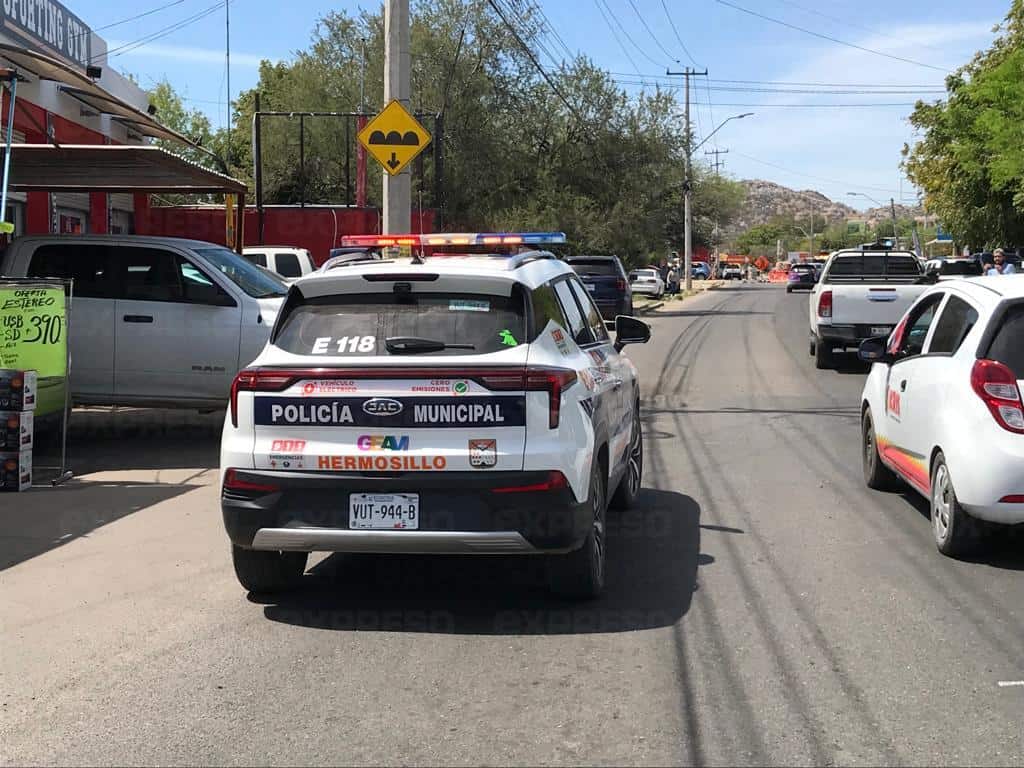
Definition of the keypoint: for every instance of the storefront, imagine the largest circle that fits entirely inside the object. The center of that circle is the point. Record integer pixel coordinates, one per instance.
(69, 95)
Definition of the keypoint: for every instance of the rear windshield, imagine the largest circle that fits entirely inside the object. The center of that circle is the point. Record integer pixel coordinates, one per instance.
(883, 267)
(961, 268)
(361, 324)
(1006, 345)
(256, 282)
(597, 267)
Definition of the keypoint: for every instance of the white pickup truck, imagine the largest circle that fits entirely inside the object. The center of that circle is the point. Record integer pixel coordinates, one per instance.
(862, 293)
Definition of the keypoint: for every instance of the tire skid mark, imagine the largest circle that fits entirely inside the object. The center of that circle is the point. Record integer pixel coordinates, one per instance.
(732, 685)
(674, 352)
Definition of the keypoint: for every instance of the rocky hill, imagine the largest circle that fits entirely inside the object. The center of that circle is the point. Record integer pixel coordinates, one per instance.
(767, 200)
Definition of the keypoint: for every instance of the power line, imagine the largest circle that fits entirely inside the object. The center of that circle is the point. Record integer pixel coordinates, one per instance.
(139, 16)
(811, 176)
(626, 34)
(657, 42)
(827, 37)
(802, 91)
(791, 82)
(679, 38)
(615, 34)
(168, 30)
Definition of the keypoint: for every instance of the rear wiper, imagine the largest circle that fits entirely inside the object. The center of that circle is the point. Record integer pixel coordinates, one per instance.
(414, 344)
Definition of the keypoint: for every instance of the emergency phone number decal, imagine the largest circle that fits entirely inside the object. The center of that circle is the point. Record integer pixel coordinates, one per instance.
(500, 411)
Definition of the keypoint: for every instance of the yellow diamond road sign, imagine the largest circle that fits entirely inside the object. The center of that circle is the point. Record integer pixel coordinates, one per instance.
(394, 137)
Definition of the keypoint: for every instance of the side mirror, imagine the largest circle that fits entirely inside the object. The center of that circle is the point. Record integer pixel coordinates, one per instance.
(212, 295)
(875, 350)
(629, 330)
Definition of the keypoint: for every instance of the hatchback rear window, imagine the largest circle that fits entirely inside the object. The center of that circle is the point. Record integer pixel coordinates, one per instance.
(361, 324)
(1006, 345)
(596, 267)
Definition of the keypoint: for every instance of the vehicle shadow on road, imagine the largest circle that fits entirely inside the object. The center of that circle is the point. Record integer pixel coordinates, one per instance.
(999, 546)
(653, 556)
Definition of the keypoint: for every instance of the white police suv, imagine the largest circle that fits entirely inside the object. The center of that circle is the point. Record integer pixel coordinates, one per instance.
(942, 409)
(467, 402)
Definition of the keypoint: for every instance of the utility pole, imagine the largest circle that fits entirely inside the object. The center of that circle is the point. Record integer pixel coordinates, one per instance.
(895, 232)
(810, 247)
(687, 73)
(397, 66)
(718, 163)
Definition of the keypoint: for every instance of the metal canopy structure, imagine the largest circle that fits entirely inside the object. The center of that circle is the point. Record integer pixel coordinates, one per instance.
(83, 88)
(112, 168)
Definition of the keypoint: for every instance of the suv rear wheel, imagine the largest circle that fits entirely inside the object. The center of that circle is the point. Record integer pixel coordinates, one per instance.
(823, 355)
(580, 574)
(628, 492)
(264, 572)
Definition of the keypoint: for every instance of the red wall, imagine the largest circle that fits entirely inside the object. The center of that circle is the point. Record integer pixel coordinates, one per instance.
(317, 229)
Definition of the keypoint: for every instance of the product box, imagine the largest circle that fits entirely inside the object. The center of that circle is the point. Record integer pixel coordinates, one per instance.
(16, 430)
(16, 471)
(18, 390)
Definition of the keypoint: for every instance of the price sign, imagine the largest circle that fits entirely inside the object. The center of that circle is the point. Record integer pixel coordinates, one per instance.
(33, 336)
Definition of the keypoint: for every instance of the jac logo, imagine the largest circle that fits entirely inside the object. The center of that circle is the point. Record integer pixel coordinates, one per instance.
(893, 403)
(288, 446)
(383, 406)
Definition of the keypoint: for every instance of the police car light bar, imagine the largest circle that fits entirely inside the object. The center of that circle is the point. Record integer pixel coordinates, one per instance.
(457, 238)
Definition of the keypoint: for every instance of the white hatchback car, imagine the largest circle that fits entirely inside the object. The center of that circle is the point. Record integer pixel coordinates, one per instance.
(468, 403)
(647, 282)
(942, 406)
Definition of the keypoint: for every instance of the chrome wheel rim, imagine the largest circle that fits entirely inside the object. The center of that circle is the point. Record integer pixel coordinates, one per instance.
(869, 446)
(636, 458)
(942, 503)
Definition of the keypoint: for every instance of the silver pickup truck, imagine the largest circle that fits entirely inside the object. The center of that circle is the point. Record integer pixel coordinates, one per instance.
(862, 293)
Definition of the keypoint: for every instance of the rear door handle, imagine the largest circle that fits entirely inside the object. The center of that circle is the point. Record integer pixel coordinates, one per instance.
(138, 318)
(903, 386)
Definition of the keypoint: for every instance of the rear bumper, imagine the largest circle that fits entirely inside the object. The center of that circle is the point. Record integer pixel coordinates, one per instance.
(845, 335)
(611, 308)
(460, 513)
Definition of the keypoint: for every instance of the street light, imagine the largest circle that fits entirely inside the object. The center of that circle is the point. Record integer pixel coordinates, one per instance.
(892, 208)
(688, 196)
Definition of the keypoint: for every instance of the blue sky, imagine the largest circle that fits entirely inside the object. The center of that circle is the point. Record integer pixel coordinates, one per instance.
(832, 149)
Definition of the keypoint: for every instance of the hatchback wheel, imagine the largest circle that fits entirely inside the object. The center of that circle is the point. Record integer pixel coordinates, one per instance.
(956, 532)
(876, 474)
(580, 574)
(628, 491)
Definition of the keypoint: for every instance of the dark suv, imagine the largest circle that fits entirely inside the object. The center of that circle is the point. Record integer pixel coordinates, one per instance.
(605, 279)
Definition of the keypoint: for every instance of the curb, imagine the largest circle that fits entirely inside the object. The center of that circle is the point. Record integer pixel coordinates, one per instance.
(646, 310)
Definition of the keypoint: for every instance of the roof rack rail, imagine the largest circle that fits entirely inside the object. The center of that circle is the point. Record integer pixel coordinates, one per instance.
(520, 259)
(346, 260)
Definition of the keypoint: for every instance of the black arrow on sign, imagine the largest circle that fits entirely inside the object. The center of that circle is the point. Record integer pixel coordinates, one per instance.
(393, 162)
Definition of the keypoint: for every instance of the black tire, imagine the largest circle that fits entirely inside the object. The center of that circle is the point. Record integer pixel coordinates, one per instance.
(811, 347)
(789, 289)
(580, 575)
(876, 474)
(265, 572)
(823, 359)
(956, 533)
(628, 492)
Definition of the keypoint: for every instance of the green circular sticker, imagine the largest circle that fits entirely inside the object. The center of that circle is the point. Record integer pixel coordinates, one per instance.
(460, 388)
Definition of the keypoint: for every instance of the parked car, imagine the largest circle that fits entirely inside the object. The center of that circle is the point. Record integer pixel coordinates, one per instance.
(942, 269)
(289, 263)
(941, 408)
(801, 276)
(484, 411)
(157, 321)
(732, 272)
(700, 270)
(862, 293)
(647, 282)
(604, 277)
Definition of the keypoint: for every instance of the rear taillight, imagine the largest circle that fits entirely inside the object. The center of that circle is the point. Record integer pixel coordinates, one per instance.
(620, 284)
(551, 380)
(232, 482)
(996, 385)
(555, 481)
(255, 380)
(825, 304)
(1013, 498)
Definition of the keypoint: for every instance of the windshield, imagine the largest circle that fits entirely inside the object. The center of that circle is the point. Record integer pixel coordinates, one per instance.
(597, 267)
(258, 283)
(361, 324)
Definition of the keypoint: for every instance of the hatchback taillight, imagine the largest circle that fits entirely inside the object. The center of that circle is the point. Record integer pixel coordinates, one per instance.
(825, 304)
(996, 385)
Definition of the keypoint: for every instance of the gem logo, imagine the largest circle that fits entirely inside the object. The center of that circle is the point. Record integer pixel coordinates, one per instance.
(460, 387)
(288, 446)
(383, 406)
(383, 443)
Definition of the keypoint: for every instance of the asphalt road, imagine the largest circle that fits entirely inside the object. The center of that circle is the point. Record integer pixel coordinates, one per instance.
(764, 606)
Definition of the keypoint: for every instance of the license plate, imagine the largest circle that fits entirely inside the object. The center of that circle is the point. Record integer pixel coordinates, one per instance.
(591, 287)
(381, 511)
(880, 330)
